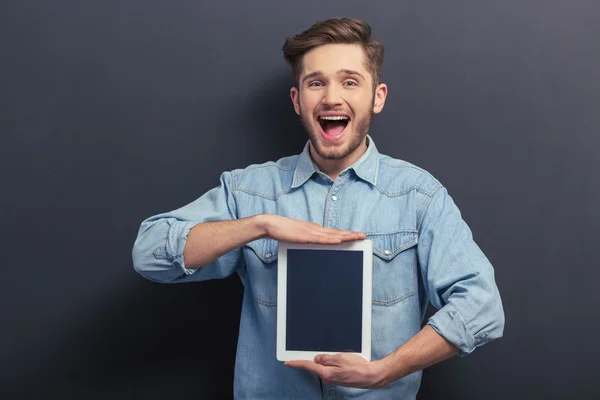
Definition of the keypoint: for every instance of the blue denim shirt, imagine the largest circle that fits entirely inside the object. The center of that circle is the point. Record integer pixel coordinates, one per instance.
(423, 251)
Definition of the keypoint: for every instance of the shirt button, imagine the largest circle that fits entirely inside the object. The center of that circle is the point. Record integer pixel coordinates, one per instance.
(387, 252)
(268, 255)
(334, 197)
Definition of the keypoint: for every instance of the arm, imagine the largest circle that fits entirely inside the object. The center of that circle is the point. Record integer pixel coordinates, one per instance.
(162, 240)
(421, 351)
(459, 281)
(458, 278)
(209, 241)
(424, 349)
(203, 239)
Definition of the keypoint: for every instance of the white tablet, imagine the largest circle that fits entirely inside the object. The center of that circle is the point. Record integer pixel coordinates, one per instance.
(324, 299)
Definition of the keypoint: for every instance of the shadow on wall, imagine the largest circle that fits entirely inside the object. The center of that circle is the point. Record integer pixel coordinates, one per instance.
(273, 130)
(157, 341)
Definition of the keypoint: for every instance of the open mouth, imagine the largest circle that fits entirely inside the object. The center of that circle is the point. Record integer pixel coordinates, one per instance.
(333, 126)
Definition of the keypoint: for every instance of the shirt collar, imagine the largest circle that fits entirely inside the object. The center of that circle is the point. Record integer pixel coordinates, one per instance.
(366, 167)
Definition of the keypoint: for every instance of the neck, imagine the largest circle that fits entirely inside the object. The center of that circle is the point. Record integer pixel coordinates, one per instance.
(333, 167)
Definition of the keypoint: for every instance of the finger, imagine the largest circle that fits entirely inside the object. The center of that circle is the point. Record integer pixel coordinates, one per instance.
(297, 364)
(327, 229)
(327, 236)
(352, 238)
(330, 240)
(337, 240)
(325, 239)
(352, 233)
(343, 234)
(307, 365)
(332, 236)
(328, 360)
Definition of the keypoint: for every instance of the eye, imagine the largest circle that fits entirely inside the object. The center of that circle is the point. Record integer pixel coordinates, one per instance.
(315, 84)
(350, 83)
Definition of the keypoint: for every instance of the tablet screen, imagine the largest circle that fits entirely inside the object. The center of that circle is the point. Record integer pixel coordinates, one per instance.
(324, 300)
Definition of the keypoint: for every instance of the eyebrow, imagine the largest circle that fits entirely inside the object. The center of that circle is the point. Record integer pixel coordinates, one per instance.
(340, 72)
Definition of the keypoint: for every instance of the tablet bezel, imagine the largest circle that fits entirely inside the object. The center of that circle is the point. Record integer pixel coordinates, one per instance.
(366, 246)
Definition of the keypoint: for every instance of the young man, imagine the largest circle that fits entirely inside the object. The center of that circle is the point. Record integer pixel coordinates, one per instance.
(340, 188)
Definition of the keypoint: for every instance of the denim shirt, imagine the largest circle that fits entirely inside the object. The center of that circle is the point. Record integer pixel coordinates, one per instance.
(423, 251)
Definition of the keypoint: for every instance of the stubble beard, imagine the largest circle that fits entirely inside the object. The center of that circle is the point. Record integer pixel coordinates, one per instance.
(361, 128)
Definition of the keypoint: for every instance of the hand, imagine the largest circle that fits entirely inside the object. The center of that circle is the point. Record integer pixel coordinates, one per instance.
(345, 370)
(296, 231)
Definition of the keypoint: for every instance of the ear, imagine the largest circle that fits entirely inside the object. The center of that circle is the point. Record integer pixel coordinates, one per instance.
(295, 95)
(380, 96)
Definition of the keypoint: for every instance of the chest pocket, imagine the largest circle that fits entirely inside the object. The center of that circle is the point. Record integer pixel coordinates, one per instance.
(260, 256)
(394, 266)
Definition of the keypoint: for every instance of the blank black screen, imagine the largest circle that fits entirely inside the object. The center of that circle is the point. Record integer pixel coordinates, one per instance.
(324, 300)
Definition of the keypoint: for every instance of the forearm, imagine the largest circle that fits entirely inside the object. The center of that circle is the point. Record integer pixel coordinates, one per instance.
(210, 240)
(424, 349)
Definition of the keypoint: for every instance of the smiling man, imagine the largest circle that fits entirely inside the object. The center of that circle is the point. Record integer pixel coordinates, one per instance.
(339, 189)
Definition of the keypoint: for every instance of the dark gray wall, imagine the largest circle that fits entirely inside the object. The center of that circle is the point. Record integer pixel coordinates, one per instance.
(116, 110)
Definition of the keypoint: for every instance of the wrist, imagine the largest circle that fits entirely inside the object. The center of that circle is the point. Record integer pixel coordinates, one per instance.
(394, 366)
(261, 224)
(381, 373)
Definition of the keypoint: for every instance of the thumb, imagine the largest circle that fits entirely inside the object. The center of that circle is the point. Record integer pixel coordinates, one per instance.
(326, 359)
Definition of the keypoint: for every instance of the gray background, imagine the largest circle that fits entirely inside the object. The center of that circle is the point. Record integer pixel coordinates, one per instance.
(114, 111)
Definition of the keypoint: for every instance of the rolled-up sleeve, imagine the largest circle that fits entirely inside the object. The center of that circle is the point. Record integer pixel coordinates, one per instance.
(158, 249)
(458, 278)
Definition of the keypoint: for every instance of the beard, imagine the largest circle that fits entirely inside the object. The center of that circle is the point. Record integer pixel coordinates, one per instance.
(360, 128)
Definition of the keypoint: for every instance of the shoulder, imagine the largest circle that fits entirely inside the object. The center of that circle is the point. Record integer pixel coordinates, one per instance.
(397, 177)
(269, 179)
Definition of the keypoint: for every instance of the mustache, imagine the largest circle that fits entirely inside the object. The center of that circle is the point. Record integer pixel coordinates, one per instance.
(332, 109)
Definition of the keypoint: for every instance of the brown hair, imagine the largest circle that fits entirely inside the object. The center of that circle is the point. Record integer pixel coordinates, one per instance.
(336, 30)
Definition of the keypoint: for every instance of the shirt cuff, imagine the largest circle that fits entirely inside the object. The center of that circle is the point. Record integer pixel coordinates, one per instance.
(450, 324)
(176, 240)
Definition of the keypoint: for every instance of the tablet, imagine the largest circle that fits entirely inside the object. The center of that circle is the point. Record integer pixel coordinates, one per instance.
(324, 299)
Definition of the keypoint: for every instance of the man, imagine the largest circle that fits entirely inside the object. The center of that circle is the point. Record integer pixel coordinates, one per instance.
(340, 188)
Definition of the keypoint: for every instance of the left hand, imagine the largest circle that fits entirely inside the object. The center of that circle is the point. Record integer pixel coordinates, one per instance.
(344, 369)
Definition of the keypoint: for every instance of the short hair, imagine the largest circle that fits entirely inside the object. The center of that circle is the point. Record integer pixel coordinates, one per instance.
(335, 31)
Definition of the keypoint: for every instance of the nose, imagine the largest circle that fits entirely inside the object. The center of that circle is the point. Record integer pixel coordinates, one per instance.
(332, 96)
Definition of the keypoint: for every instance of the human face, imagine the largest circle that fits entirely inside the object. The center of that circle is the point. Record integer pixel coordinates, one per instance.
(336, 100)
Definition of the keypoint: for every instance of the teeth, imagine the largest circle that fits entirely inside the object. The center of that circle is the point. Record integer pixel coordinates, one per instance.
(333, 117)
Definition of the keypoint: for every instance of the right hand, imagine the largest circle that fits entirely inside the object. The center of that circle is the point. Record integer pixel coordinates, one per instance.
(297, 231)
